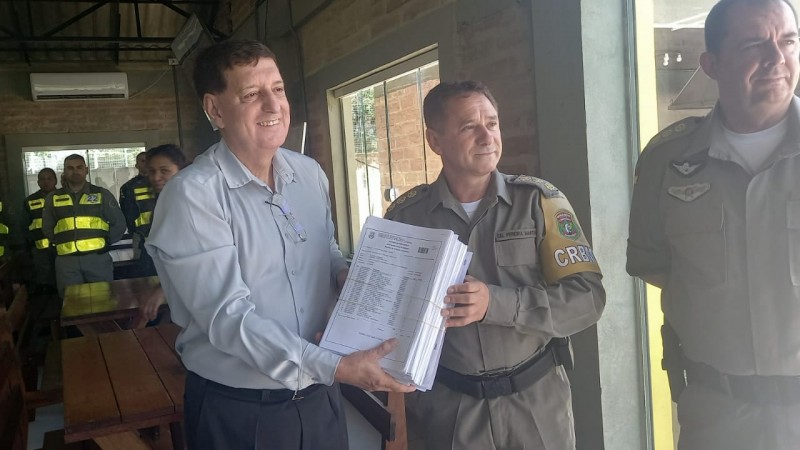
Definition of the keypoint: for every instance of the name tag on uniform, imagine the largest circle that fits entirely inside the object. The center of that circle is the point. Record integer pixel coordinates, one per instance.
(91, 199)
(514, 234)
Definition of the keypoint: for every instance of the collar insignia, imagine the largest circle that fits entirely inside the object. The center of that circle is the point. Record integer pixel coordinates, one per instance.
(689, 193)
(687, 168)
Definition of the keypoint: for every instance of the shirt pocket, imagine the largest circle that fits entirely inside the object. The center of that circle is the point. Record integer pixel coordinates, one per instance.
(793, 228)
(516, 248)
(696, 234)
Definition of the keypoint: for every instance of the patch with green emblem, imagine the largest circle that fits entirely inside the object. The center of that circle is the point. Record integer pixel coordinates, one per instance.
(567, 226)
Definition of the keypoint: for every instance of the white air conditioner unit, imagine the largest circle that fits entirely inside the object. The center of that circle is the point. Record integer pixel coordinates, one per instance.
(79, 86)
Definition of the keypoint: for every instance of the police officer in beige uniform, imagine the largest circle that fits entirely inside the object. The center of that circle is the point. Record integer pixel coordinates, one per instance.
(715, 222)
(533, 278)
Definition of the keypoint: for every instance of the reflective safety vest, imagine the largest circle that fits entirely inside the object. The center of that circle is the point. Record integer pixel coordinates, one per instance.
(146, 202)
(79, 228)
(35, 206)
(3, 233)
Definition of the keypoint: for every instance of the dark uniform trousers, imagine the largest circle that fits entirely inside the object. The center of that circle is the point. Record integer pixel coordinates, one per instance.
(220, 417)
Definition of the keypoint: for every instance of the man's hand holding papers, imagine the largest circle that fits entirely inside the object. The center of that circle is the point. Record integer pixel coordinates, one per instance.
(363, 369)
(395, 289)
(468, 302)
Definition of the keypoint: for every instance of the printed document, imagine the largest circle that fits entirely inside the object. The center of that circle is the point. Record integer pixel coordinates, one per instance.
(395, 289)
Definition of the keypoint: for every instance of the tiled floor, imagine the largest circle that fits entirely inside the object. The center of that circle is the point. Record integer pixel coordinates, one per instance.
(47, 418)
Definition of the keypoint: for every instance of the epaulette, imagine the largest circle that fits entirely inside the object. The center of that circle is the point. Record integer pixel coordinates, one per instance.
(410, 196)
(676, 130)
(547, 188)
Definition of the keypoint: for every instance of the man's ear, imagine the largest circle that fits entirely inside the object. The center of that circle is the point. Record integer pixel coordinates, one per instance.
(433, 140)
(212, 111)
(709, 64)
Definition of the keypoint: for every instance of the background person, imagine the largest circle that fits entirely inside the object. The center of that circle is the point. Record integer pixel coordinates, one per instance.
(43, 254)
(715, 222)
(81, 220)
(163, 162)
(127, 192)
(533, 281)
(244, 246)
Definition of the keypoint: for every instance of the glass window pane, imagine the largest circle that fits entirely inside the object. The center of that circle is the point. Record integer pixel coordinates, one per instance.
(386, 152)
(109, 166)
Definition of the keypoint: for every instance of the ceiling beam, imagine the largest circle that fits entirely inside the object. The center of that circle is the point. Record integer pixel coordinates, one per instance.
(79, 39)
(138, 19)
(175, 2)
(76, 18)
(88, 49)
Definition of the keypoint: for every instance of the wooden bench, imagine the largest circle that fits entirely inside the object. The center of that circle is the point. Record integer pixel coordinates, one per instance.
(118, 383)
(16, 401)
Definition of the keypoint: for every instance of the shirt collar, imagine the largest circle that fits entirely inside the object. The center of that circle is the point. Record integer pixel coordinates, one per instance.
(442, 195)
(702, 137)
(83, 190)
(237, 175)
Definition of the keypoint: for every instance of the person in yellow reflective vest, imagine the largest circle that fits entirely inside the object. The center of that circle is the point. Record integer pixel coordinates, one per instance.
(127, 193)
(42, 253)
(81, 220)
(3, 232)
(162, 163)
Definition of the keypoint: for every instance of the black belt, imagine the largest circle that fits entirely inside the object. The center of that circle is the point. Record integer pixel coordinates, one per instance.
(257, 395)
(759, 389)
(503, 383)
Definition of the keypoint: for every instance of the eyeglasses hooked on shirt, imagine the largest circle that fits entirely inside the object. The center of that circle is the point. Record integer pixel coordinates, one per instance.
(280, 202)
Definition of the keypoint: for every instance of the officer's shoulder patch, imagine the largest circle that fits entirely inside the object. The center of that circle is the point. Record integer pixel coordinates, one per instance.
(547, 188)
(409, 197)
(676, 130)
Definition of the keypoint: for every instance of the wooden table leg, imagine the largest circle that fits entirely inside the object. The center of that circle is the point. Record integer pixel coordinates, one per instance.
(127, 440)
(178, 440)
(397, 406)
(159, 438)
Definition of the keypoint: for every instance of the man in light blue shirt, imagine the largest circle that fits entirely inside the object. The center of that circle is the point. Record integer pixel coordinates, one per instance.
(244, 244)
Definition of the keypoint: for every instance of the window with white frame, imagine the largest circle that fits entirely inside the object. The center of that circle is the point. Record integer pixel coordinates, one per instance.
(383, 139)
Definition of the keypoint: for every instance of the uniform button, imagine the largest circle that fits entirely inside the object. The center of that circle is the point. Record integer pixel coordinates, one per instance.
(294, 272)
(302, 310)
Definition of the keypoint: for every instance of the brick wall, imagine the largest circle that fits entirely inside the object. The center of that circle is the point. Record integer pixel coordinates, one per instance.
(154, 109)
(494, 47)
(413, 163)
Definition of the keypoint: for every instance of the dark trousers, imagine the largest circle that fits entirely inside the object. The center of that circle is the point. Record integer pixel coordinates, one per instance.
(221, 417)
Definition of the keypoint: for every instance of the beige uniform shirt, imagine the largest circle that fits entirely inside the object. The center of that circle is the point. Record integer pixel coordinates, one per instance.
(730, 243)
(509, 240)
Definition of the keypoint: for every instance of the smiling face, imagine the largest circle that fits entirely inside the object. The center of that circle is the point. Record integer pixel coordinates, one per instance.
(468, 138)
(756, 67)
(253, 111)
(160, 169)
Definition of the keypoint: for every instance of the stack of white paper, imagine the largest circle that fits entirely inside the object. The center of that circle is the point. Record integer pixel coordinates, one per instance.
(395, 289)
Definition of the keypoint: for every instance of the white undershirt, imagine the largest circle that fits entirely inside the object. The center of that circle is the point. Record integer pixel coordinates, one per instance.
(470, 208)
(750, 150)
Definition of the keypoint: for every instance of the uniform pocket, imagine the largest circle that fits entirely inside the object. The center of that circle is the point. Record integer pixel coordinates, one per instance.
(697, 239)
(516, 251)
(793, 228)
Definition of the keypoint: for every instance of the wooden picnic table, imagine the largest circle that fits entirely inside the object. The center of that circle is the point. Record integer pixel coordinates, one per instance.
(117, 383)
(89, 304)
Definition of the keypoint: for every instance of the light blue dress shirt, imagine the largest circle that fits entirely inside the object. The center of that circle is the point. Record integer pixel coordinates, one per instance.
(249, 283)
